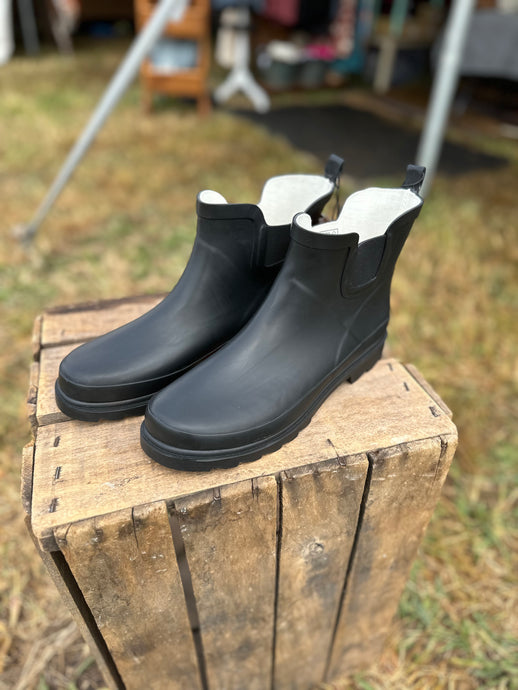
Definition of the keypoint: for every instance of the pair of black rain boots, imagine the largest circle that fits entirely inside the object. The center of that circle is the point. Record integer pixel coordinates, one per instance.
(280, 317)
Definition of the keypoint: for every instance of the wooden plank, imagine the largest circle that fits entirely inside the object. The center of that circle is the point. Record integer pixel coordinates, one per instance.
(80, 468)
(32, 395)
(416, 374)
(230, 545)
(405, 485)
(47, 411)
(71, 594)
(26, 477)
(320, 507)
(77, 323)
(36, 337)
(126, 567)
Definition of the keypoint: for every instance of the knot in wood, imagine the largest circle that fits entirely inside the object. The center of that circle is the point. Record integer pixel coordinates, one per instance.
(315, 549)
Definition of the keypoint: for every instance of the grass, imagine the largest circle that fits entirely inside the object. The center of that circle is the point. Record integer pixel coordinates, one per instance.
(125, 226)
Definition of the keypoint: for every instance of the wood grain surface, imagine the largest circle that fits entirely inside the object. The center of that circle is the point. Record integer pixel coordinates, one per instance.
(47, 411)
(277, 573)
(125, 565)
(72, 596)
(405, 484)
(320, 507)
(230, 545)
(81, 468)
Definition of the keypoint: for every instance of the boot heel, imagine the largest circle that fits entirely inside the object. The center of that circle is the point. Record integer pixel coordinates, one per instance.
(366, 362)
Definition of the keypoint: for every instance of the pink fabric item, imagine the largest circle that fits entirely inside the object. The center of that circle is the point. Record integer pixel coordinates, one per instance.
(320, 51)
(284, 12)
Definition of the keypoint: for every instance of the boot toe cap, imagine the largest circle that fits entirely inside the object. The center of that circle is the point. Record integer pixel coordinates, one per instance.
(190, 419)
(84, 376)
(175, 427)
(94, 373)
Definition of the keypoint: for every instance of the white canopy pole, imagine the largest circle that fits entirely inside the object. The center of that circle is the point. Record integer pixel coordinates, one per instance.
(443, 89)
(166, 11)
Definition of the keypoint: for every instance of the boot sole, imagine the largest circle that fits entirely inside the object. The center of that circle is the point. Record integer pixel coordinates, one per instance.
(196, 461)
(95, 412)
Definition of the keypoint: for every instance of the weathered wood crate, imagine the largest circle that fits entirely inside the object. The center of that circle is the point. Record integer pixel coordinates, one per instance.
(279, 573)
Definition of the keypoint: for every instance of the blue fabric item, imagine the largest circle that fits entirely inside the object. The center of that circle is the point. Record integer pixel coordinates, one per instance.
(352, 64)
(172, 55)
(355, 62)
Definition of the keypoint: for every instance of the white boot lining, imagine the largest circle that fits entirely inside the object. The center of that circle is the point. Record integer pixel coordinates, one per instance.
(283, 196)
(286, 195)
(210, 197)
(368, 213)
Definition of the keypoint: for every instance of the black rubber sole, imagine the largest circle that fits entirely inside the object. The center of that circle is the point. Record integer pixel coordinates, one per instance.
(201, 461)
(95, 412)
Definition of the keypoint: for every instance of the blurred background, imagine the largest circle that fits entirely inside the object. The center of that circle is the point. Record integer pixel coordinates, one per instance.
(234, 95)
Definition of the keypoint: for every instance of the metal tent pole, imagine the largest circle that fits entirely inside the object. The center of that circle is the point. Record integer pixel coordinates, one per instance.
(166, 10)
(443, 89)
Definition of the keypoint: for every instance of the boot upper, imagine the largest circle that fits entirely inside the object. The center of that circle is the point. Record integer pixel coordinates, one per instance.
(328, 305)
(235, 258)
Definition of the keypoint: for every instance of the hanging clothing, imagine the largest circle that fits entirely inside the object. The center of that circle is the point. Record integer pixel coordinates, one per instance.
(310, 15)
(315, 15)
(231, 21)
(285, 12)
(343, 28)
(354, 61)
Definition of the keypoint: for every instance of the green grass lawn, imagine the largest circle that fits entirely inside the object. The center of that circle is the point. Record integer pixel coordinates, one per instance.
(125, 226)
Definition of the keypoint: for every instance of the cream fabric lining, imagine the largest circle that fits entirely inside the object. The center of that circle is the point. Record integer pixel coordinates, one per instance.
(283, 196)
(210, 197)
(368, 213)
(286, 195)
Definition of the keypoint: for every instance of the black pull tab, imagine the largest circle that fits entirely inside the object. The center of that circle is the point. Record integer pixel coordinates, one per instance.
(332, 171)
(334, 167)
(414, 177)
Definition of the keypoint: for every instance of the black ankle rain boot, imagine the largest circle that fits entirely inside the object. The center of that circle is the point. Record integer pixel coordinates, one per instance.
(237, 253)
(323, 322)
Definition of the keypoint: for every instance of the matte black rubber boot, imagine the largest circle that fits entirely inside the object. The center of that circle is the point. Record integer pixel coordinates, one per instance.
(323, 322)
(237, 253)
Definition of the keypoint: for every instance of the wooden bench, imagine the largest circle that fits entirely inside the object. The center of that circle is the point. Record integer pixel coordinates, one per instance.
(287, 570)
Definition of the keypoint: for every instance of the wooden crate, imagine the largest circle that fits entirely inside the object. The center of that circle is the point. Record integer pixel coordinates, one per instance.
(278, 573)
(194, 26)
